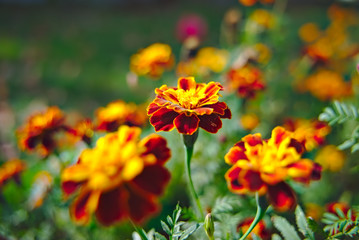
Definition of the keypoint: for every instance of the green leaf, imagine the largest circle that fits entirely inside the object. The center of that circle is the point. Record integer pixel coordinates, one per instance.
(189, 231)
(276, 237)
(169, 220)
(159, 237)
(285, 228)
(330, 216)
(347, 144)
(302, 223)
(165, 228)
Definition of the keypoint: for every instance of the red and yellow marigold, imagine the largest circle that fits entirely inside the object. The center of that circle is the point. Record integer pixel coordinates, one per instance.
(152, 61)
(11, 170)
(120, 179)
(247, 81)
(263, 166)
(187, 107)
(330, 158)
(38, 132)
(259, 230)
(119, 113)
(310, 133)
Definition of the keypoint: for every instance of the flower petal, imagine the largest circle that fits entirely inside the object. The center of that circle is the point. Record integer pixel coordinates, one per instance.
(211, 123)
(186, 124)
(112, 206)
(68, 187)
(157, 146)
(235, 153)
(153, 179)
(162, 119)
(232, 180)
(186, 83)
(152, 108)
(282, 197)
(252, 181)
(141, 206)
(84, 205)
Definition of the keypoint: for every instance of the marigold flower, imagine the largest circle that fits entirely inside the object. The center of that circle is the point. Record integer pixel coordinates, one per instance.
(118, 113)
(152, 61)
(330, 158)
(83, 130)
(11, 170)
(247, 81)
(262, 18)
(310, 133)
(328, 85)
(314, 211)
(263, 166)
(38, 132)
(41, 186)
(309, 32)
(121, 178)
(259, 230)
(188, 106)
(333, 206)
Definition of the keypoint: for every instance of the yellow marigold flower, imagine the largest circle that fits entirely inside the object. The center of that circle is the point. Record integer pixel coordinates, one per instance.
(309, 32)
(38, 132)
(152, 61)
(121, 178)
(187, 107)
(263, 18)
(11, 170)
(328, 85)
(249, 121)
(41, 186)
(321, 50)
(330, 158)
(118, 113)
(310, 133)
(83, 130)
(264, 54)
(262, 166)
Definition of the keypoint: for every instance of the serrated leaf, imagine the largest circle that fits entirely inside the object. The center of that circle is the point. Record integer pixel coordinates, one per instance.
(285, 228)
(170, 222)
(302, 223)
(346, 144)
(165, 227)
(330, 216)
(189, 231)
(340, 213)
(338, 107)
(159, 237)
(276, 237)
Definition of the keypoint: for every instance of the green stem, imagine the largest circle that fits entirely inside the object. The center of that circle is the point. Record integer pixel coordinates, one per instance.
(261, 210)
(189, 151)
(189, 141)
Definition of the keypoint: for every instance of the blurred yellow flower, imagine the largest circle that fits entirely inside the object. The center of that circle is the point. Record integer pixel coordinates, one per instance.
(309, 32)
(314, 211)
(249, 121)
(11, 169)
(152, 61)
(331, 158)
(263, 18)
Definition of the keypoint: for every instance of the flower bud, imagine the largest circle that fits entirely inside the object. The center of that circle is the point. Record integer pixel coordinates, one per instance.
(209, 226)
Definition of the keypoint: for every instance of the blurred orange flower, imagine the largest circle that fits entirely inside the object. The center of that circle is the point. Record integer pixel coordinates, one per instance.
(314, 211)
(11, 170)
(252, 2)
(121, 178)
(118, 113)
(259, 230)
(187, 107)
(152, 61)
(330, 158)
(247, 81)
(310, 133)
(249, 121)
(309, 32)
(262, 166)
(262, 18)
(38, 132)
(328, 85)
(83, 130)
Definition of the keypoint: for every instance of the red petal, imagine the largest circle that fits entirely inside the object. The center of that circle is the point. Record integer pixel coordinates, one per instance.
(227, 114)
(186, 83)
(211, 123)
(282, 197)
(218, 107)
(186, 124)
(153, 179)
(78, 209)
(112, 206)
(152, 108)
(68, 187)
(141, 206)
(253, 181)
(157, 146)
(162, 119)
(235, 153)
(232, 180)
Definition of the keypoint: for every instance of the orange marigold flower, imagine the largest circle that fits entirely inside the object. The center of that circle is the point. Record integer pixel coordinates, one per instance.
(328, 85)
(38, 132)
(259, 230)
(247, 81)
(152, 61)
(119, 113)
(310, 133)
(121, 178)
(11, 170)
(314, 211)
(262, 18)
(83, 130)
(41, 186)
(188, 106)
(309, 32)
(263, 166)
(249, 121)
(330, 158)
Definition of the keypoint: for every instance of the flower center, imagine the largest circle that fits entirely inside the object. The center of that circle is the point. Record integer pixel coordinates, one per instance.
(189, 99)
